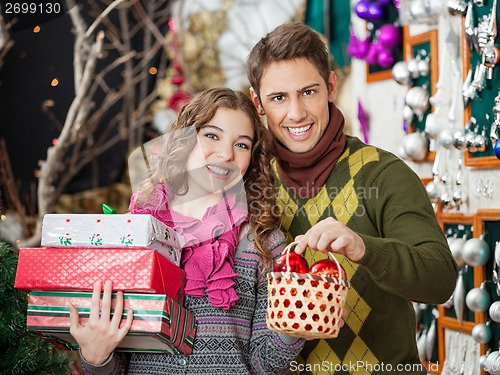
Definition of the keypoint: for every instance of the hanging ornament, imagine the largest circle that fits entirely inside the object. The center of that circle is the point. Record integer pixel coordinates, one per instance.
(459, 297)
(482, 333)
(476, 252)
(494, 311)
(389, 36)
(456, 248)
(421, 341)
(478, 299)
(353, 45)
(179, 97)
(400, 73)
(416, 146)
(385, 57)
(496, 149)
(430, 340)
(363, 121)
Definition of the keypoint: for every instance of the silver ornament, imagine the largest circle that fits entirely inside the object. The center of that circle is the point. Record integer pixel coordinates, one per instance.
(416, 146)
(497, 253)
(456, 250)
(412, 66)
(430, 340)
(400, 73)
(418, 312)
(408, 115)
(417, 98)
(432, 125)
(423, 67)
(482, 333)
(476, 252)
(421, 346)
(491, 362)
(402, 153)
(459, 297)
(480, 143)
(445, 138)
(459, 140)
(478, 300)
(469, 141)
(494, 311)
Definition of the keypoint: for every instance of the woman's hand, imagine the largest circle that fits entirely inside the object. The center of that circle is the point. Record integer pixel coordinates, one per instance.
(331, 235)
(102, 333)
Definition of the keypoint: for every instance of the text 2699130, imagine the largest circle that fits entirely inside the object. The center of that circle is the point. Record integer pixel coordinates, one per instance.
(33, 8)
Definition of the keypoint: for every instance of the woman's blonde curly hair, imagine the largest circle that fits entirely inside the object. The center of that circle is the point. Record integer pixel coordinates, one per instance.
(170, 164)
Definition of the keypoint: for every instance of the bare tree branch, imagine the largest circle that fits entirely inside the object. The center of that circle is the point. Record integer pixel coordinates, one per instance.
(90, 127)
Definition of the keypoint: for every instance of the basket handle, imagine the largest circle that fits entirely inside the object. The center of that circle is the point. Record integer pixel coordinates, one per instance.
(287, 251)
(295, 243)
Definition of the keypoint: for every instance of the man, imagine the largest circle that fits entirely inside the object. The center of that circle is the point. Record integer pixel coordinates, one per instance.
(362, 203)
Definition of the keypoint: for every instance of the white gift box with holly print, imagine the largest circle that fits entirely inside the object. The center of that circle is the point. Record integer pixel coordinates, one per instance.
(111, 230)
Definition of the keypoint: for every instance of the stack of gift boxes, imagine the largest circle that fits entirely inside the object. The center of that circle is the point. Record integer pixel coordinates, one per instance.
(139, 254)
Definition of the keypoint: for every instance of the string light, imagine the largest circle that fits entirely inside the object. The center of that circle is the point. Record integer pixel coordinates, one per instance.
(36, 29)
(54, 82)
(153, 70)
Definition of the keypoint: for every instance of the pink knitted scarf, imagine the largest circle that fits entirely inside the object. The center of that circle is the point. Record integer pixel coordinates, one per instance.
(208, 255)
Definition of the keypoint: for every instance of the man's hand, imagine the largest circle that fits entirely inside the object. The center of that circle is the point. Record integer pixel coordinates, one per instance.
(331, 235)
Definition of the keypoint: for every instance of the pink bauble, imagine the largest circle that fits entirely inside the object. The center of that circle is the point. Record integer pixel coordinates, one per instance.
(396, 4)
(385, 58)
(361, 9)
(389, 36)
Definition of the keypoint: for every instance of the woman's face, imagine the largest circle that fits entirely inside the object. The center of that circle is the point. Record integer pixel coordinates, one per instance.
(222, 153)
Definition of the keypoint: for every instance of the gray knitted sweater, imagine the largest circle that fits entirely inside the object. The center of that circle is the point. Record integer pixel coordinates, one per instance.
(234, 341)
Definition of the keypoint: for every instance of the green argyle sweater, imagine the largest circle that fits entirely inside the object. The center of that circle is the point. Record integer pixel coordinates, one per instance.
(407, 259)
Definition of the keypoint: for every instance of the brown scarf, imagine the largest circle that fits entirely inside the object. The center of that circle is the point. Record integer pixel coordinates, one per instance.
(307, 172)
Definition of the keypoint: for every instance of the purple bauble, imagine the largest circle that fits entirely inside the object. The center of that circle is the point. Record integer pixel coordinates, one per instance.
(375, 12)
(497, 149)
(384, 2)
(361, 9)
(353, 48)
(385, 58)
(363, 47)
(389, 36)
(371, 54)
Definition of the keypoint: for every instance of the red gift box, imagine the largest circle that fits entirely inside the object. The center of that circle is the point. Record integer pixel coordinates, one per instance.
(160, 324)
(140, 270)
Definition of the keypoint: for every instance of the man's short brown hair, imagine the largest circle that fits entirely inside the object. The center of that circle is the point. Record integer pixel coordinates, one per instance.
(289, 41)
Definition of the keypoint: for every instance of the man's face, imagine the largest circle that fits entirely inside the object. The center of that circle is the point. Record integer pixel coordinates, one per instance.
(295, 101)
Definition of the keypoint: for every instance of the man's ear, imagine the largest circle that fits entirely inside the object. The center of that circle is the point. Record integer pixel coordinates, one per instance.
(332, 87)
(256, 102)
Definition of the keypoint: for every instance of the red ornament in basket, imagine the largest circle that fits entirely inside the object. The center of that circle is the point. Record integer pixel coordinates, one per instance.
(305, 304)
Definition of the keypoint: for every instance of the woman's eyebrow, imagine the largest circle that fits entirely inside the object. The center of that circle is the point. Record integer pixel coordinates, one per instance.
(222, 131)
